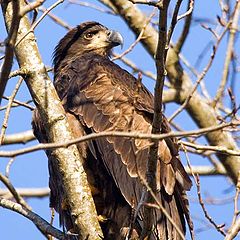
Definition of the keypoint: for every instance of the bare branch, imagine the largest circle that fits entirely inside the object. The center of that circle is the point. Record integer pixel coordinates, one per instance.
(197, 182)
(66, 144)
(40, 223)
(201, 76)
(188, 12)
(93, 6)
(174, 21)
(157, 118)
(26, 192)
(235, 226)
(55, 18)
(198, 108)
(7, 113)
(186, 28)
(80, 202)
(234, 230)
(19, 103)
(229, 53)
(16, 138)
(38, 21)
(146, 2)
(138, 38)
(13, 191)
(205, 171)
(10, 42)
(219, 149)
(30, 6)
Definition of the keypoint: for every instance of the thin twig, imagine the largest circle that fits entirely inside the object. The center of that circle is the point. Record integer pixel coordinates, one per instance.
(197, 182)
(174, 20)
(235, 226)
(219, 149)
(26, 192)
(9, 51)
(202, 75)
(161, 54)
(218, 227)
(138, 38)
(160, 206)
(115, 134)
(13, 191)
(39, 20)
(188, 12)
(16, 138)
(145, 2)
(30, 6)
(19, 103)
(9, 164)
(195, 72)
(186, 28)
(7, 113)
(229, 53)
(56, 19)
(205, 171)
(40, 223)
(93, 6)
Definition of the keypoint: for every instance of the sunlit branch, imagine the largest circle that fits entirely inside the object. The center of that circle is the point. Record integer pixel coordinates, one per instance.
(13, 191)
(9, 51)
(205, 171)
(26, 192)
(16, 138)
(219, 228)
(229, 53)
(115, 134)
(7, 113)
(40, 223)
(201, 76)
(93, 6)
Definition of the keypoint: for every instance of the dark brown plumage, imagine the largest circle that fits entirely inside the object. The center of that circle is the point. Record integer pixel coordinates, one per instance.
(98, 96)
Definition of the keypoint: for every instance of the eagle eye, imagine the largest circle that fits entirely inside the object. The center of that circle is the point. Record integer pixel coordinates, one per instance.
(90, 35)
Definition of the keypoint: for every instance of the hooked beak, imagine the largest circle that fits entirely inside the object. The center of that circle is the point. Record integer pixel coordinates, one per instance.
(115, 38)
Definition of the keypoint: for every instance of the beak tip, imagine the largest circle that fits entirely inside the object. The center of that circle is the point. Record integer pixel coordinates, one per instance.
(116, 39)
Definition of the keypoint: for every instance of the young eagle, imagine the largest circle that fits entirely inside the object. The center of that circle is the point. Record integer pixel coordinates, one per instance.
(99, 96)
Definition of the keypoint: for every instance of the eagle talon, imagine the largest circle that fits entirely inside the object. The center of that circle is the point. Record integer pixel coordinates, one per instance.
(102, 218)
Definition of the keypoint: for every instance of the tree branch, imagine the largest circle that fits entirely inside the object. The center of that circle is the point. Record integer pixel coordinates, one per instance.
(40, 223)
(229, 53)
(26, 192)
(22, 137)
(198, 107)
(157, 118)
(66, 144)
(10, 42)
(234, 230)
(75, 185)
(13, 191)
(8, 109)
(205, 171)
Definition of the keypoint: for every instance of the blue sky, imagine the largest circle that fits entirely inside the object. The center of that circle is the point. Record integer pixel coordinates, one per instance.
(31, 170)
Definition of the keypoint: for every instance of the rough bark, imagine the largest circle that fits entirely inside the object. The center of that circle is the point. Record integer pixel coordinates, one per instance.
(49, 106)
(198, 108)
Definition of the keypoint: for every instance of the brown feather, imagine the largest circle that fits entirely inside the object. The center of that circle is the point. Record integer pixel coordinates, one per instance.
(100, 96)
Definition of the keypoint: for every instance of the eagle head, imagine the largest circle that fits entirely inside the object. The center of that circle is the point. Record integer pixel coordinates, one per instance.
(86, 37)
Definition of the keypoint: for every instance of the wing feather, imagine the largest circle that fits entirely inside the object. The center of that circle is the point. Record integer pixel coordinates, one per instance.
(105, 97)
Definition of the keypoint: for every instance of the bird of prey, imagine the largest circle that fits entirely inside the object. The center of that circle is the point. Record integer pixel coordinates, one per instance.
(98, 95)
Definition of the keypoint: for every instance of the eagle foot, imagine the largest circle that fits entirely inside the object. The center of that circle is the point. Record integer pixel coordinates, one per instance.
(102, 218)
